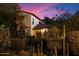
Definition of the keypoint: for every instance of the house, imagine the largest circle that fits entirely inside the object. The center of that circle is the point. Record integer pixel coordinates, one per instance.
(40, 31)
(34, 26)
(31, 22)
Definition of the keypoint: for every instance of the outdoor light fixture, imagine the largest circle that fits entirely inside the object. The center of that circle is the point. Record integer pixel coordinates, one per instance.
(44, 30)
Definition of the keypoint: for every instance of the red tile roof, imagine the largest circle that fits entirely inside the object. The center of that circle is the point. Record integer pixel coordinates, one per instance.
(40, 26)
(32, 14)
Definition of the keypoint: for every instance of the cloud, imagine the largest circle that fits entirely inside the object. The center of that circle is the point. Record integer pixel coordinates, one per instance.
(41, 9)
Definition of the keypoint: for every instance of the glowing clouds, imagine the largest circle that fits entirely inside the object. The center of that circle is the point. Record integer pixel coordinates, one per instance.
(41, 9)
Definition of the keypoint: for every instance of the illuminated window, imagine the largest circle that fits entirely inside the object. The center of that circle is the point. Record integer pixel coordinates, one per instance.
(33, 21)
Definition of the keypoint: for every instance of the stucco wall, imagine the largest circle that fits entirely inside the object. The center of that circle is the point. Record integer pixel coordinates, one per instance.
(36, 21)
(27, 22)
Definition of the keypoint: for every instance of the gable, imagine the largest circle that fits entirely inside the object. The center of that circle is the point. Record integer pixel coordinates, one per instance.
(31, 14)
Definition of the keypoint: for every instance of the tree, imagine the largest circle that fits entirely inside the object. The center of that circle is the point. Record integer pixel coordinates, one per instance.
(75, 20)
(9, 14)
(47, 20)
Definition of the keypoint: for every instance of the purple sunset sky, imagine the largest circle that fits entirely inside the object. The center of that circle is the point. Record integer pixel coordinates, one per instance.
(49, 9)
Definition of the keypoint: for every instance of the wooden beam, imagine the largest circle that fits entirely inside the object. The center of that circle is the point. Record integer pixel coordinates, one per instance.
(64, 40)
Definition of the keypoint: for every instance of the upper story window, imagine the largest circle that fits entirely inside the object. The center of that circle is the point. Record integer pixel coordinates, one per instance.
(33, 21)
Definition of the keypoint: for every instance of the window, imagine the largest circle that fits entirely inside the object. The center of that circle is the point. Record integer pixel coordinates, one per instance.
(33, 21)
